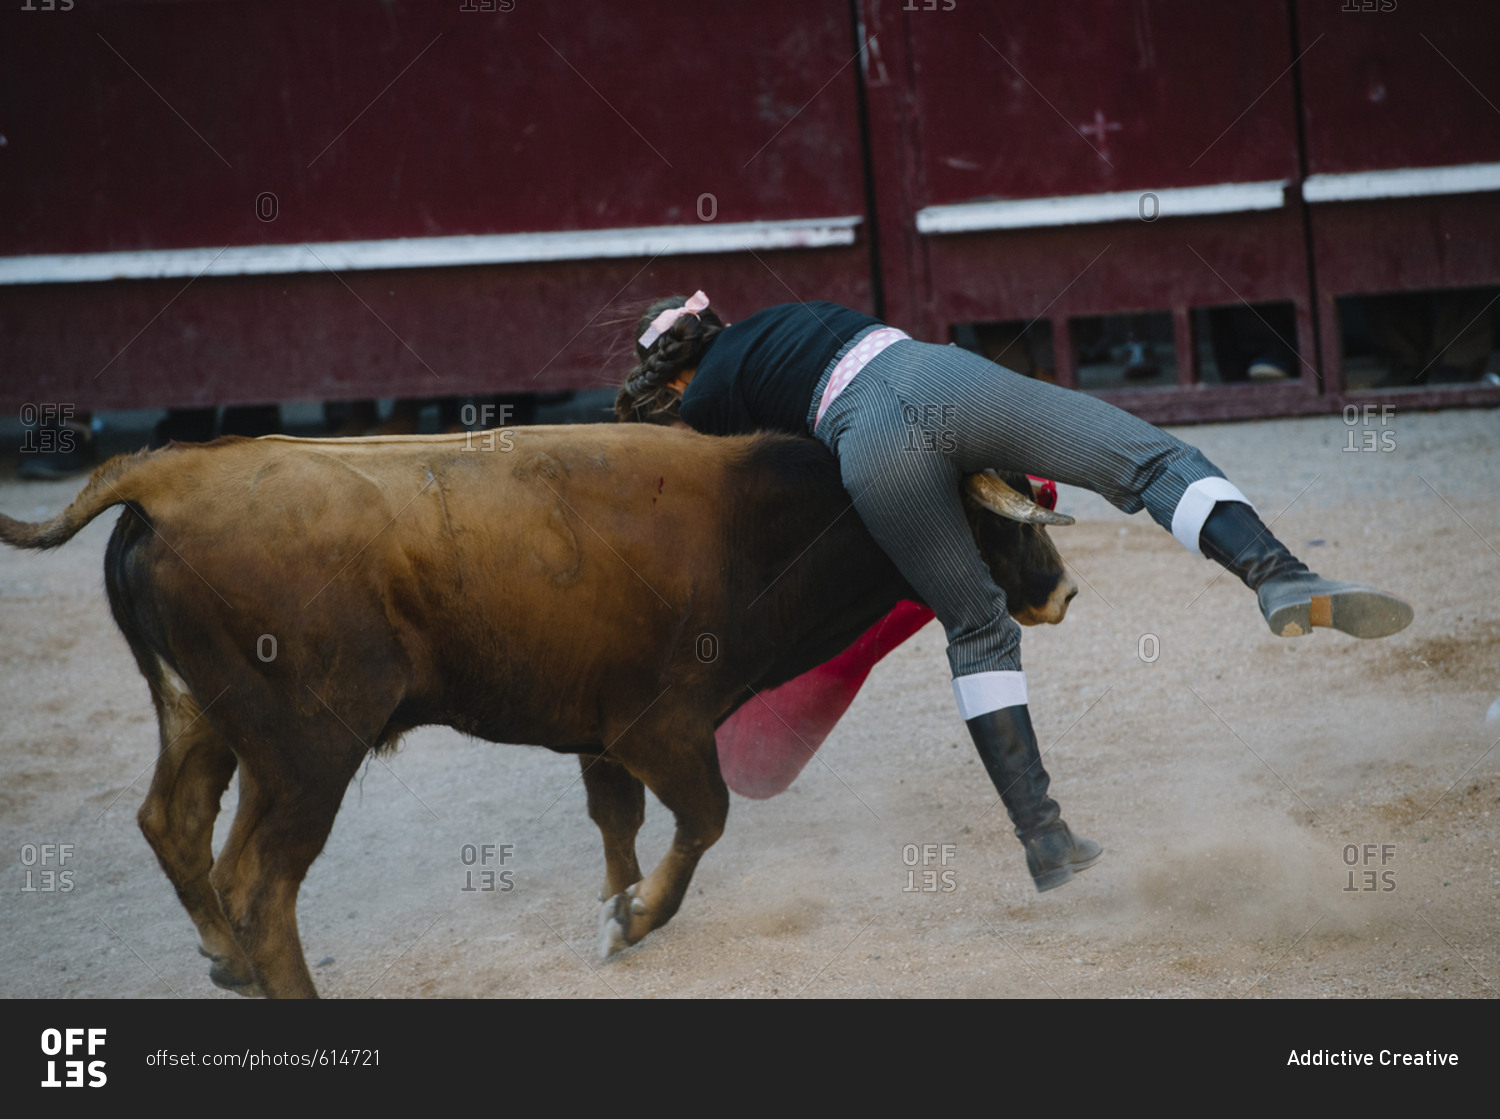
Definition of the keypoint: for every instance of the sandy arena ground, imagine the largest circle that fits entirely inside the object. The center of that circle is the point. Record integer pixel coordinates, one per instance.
(1232, 780)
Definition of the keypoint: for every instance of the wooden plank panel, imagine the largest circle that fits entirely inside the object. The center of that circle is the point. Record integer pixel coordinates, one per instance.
(1402, 85)
(139, 126)
(309, 336)
(1022, 100)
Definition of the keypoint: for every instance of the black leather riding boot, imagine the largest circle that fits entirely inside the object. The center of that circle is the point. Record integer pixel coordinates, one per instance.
(1292, 598)
(1007, 746)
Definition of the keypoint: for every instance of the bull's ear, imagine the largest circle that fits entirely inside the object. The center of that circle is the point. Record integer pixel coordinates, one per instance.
(989, 490)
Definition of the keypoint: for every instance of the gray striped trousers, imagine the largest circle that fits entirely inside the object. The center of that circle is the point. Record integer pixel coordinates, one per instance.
(920, 416)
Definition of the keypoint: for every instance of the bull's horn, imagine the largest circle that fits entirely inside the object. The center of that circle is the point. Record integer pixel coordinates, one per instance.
(998, 497)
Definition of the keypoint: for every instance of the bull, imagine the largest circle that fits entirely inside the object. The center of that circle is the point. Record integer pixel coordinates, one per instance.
(546, 586)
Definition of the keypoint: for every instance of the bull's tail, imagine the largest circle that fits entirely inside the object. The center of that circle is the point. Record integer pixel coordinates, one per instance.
(114, 483)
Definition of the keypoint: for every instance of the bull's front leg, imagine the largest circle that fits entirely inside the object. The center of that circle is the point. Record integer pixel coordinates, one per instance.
(683, 772)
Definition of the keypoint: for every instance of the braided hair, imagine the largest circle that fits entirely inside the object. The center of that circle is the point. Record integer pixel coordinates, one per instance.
(648, 395)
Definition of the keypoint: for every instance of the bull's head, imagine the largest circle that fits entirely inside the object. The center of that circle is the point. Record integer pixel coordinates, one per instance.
(1010, 529)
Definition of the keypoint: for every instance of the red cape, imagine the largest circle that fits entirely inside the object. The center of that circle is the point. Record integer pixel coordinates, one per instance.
(767, 742)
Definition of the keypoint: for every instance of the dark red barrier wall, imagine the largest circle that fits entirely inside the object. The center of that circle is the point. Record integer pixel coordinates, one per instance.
(133, 126)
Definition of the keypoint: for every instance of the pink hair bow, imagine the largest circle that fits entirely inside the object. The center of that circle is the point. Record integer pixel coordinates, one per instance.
(663, 322)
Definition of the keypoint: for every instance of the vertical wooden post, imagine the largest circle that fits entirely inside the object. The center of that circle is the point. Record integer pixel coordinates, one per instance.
(1186, 345)
(1062, 353)
(890, 136)
(1332, 339)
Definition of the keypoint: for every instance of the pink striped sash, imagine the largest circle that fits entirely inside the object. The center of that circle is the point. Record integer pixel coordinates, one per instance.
(855, 360)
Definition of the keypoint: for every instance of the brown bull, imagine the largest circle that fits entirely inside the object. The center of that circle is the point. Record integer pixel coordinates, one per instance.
(295, 604)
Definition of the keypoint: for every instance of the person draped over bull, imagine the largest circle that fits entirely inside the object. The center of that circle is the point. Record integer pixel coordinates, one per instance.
(855, 384)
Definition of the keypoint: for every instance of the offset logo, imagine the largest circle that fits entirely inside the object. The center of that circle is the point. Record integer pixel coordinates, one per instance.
(929, 881)
(487, 879)
(65, 1043)
(1368, 868)
(44, 865)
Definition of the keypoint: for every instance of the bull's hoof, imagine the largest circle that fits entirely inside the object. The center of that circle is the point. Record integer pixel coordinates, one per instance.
(612, 937)
(225, 974)
(622, 922)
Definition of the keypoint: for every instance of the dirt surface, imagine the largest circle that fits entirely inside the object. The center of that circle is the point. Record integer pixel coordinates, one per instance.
(1231, 779)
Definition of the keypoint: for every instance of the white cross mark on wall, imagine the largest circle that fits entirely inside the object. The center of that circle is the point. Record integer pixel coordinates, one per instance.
(1100, 128)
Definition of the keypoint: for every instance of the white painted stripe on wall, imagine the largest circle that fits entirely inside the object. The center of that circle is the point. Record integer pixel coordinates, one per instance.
(432, 252)
(1082, 209)
(1405, 182)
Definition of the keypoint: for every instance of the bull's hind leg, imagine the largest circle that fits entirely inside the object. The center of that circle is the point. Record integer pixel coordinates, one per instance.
(285, 813)
(686, 779)
(617, 803)
(177, 819)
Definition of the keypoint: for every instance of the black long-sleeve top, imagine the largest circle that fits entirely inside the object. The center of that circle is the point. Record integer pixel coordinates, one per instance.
(759, 374)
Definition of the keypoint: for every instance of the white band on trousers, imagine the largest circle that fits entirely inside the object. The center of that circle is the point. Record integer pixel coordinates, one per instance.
(1197, 503)
(983, 692)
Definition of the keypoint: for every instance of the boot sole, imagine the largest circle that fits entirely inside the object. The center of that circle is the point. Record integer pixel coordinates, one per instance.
(1359, 613)
(1063, 874)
